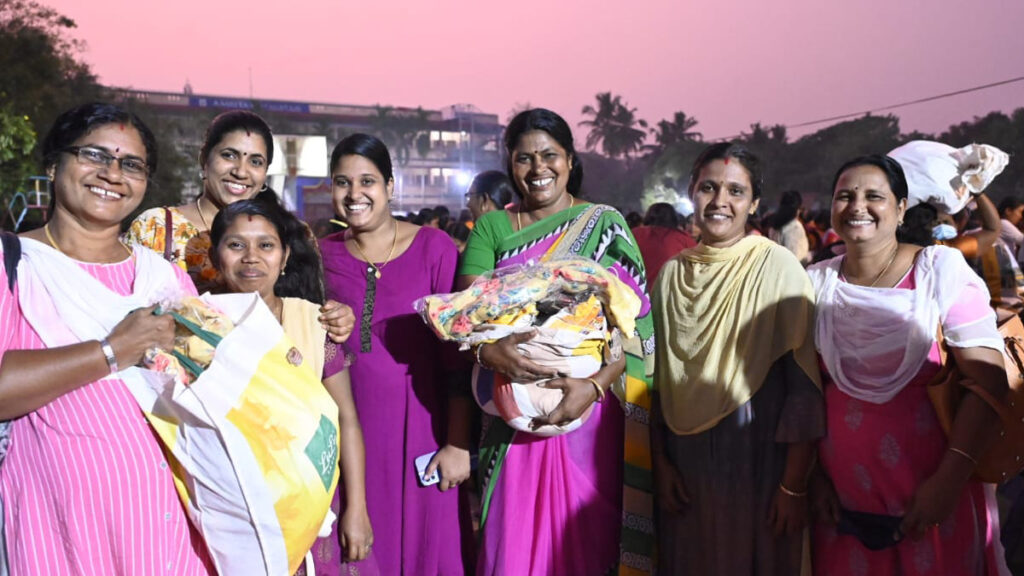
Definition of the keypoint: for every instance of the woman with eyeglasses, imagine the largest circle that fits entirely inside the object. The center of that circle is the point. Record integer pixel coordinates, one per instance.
(490, 191)
(85, 485)
(236, 153)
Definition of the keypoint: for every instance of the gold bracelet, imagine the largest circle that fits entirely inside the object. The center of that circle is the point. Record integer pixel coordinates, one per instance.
(789, 492)
(600, 391)
(964, 454)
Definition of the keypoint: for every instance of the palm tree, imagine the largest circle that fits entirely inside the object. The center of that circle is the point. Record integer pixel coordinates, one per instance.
(760, 135)
(615, 126)
(382, 123)
(401, 132)
(679, 129)
(601, 118)
(408, 129)
(516, 109)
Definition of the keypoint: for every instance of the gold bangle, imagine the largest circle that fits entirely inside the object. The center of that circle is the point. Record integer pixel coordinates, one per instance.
(480, 347)
(789, 492)
(600, 391)
(964, 454)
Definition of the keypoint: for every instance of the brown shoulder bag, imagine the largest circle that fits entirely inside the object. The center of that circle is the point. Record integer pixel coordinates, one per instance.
(1005, 458)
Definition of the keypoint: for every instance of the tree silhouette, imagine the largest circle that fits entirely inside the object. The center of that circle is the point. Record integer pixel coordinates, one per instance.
(671, 132)
(516, 109)
(614, 126)
(40, 73)
(401, 132)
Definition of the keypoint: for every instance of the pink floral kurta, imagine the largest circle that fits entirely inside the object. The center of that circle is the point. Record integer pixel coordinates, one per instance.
(878, 454)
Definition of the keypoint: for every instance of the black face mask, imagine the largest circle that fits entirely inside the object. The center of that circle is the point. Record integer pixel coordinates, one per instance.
(875, 531)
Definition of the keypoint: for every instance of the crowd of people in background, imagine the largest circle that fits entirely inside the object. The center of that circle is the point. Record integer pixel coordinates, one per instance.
(770, 415)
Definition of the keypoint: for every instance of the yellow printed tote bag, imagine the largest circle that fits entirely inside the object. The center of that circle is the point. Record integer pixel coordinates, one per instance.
(253, 442)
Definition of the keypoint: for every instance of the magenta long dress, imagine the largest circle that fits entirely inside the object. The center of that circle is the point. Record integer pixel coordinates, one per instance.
(401, 401)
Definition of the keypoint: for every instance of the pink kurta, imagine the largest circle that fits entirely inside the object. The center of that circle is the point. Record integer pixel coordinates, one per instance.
(86, 488)
(878, 454)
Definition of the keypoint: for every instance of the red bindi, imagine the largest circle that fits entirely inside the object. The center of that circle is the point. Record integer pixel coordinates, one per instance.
(726, 160)
(248, 133)
(250, 217)
(122, 127)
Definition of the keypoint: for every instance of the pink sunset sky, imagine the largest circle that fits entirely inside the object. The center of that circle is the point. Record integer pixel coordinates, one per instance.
(729, 63)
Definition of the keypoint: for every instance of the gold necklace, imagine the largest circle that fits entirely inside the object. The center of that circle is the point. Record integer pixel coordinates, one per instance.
(49, 238)
(519, 213)
(374, 267)
(199, 209)
(887, 265)
(886, 269)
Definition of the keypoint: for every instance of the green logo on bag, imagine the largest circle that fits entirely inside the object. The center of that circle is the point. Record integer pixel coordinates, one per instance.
(322, 451)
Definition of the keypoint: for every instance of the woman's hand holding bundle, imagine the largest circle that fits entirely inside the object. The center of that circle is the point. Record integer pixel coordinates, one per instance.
(504, 356)
(577, 395)
(138, 332)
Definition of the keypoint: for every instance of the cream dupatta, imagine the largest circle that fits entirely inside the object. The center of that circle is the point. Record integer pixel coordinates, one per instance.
(723, 316)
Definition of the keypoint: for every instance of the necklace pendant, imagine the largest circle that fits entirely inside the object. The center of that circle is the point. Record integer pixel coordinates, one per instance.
(377, 274)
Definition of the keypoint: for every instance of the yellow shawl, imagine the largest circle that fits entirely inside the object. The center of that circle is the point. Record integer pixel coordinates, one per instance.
(299, 320)
(722, 317)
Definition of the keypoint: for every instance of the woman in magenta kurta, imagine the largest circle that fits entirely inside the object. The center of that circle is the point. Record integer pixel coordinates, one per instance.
(86, 487)
(397, 376)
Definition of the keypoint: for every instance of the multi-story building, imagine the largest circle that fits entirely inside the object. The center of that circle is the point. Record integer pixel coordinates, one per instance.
(435, 152)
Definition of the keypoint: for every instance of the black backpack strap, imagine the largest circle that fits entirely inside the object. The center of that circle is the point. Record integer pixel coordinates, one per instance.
(12, 255)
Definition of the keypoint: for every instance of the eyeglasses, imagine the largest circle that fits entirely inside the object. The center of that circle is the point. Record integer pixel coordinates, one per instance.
(468, 196)
(131, 166)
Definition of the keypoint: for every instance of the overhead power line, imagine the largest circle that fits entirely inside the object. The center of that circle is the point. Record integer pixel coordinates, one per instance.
(899, 105)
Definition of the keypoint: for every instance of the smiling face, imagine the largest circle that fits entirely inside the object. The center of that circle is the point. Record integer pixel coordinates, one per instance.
(360, 193)
(96, 193)
(864, 207)
(723, 198)
(236, 168)
(540, 170)
(250, 255)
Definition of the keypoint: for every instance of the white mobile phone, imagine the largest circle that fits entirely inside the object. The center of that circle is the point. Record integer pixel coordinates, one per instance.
(421, 463)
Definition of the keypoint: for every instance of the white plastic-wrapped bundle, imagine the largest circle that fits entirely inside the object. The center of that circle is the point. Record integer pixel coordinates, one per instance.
(945, 177)
(575, 304)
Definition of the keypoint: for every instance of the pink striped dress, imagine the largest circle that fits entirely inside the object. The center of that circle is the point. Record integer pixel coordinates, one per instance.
(86, 488)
